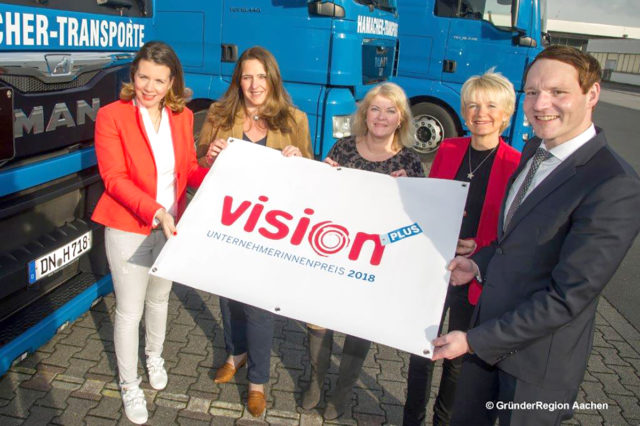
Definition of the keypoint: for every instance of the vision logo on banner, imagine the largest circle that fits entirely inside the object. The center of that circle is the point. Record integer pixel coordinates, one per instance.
(324, 237)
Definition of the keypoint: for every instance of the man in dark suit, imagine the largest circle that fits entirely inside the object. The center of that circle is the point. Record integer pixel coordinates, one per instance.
(569, 217)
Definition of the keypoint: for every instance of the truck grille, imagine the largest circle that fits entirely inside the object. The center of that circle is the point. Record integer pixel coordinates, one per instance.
(30, 84)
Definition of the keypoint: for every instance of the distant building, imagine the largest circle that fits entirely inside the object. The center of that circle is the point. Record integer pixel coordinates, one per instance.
(619, 59)
(617, 48)
(578, 34)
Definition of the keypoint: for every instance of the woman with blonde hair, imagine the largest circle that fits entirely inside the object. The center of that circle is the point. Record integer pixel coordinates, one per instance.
(144, 144)
(382, 134)
(486, 162)
(255, 108)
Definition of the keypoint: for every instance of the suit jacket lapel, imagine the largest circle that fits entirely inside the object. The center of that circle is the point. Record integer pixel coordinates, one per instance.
(560, 174)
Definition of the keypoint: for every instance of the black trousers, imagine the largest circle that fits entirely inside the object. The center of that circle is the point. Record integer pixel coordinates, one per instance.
(486, 393)
(421, 369)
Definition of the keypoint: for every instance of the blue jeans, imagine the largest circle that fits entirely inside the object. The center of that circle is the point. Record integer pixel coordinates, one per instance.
(248, 329)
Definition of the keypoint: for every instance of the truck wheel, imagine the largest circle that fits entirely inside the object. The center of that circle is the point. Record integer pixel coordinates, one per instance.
(433, 124)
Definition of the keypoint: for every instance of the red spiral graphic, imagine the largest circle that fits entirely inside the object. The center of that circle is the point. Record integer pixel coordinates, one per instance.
(327, 238)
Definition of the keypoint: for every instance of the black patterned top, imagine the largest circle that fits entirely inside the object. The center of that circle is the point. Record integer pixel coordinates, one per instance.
(344, 152)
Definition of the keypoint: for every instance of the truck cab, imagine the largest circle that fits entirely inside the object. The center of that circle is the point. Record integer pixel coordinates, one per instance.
(444, 42)
(330, 53)
(59, 62)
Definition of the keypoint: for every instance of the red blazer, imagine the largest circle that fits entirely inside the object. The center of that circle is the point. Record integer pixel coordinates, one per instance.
(445, 166)
(128, 168)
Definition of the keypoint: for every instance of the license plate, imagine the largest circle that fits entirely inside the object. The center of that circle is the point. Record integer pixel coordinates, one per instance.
(59, 258)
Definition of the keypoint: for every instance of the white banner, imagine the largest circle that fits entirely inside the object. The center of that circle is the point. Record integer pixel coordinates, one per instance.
(358, 252)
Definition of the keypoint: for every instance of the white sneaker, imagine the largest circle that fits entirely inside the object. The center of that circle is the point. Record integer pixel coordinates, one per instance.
(135, 406)
(157, 374)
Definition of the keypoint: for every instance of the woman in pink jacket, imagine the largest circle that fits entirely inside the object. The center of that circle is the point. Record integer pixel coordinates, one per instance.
(146, 156)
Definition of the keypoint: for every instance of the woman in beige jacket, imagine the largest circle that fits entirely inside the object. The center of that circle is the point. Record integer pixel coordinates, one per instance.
(255, 108)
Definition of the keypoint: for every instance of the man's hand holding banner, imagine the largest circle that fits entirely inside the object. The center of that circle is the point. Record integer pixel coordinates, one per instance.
(353, 251)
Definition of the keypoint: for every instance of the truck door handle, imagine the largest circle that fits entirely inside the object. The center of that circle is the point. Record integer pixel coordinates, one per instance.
(449, 65)
(229, 52)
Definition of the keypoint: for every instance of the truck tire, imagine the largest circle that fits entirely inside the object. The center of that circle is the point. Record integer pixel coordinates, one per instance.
(433, 124)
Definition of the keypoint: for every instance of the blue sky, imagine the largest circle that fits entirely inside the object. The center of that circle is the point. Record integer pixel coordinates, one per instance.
(612, 12)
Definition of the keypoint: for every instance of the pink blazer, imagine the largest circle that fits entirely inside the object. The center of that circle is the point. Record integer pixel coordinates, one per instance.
(128, 168)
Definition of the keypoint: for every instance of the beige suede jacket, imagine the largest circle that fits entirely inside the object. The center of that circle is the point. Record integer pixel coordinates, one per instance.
(298, 137)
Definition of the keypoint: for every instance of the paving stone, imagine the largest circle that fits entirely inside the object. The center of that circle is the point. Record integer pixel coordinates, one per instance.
(610, 416)
(55, 398)
(587, 419)
(392, 372)
(10, 421)
(599, 340)
(386, 353)
(10, 381)
(625, 350)
(180, 384)
(39, 416)
(21, 403)
(187, 364)
(197, 409)
(108, 408)
(612, 385)
(610, 334)
(287, 380)
(99, 421)
(41, 381)
(186, 420)
(205, 326)
(594, 392)
(197, 345)
(75, 412)
(230, 392)
(393, 392)
(311, 420)
(107, 366)
(367, 402)
(610, 356)
(94, 349)
(294, 359)
(283, 400)
(394, 413)
(596, 364)
(628, 375)
(91, 389)
(78, 336)
(630, 407)
(178, 333)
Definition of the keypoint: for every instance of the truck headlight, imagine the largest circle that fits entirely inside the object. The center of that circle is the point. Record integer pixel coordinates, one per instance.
(341, 126)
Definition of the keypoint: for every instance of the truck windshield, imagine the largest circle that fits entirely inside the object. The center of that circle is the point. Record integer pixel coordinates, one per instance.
(387, 5)
(498, 12)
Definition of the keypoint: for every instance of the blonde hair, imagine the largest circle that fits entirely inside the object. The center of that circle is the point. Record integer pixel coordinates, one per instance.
(160, 53)
(277, 108)
(495, 86)
(405, 133)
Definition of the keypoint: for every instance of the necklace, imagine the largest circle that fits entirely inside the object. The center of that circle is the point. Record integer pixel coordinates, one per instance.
(256, 117)
(156, 121)
(470, 175)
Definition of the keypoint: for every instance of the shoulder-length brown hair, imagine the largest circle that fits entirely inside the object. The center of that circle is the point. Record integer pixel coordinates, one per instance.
(405, 133)
(160, 53)
(276, 110)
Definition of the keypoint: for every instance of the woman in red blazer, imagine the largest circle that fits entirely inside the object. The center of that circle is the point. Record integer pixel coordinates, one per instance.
(486, 162)
(146, 156)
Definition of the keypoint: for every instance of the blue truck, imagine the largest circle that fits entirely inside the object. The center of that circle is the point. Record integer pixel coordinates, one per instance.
(444, 42)
(330, 53)
(59, 62)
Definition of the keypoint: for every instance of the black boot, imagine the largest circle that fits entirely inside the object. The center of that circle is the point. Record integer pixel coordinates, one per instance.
(353, 356)
(320, 342)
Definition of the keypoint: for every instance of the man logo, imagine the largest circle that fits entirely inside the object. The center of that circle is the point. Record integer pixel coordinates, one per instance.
(59, 64)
